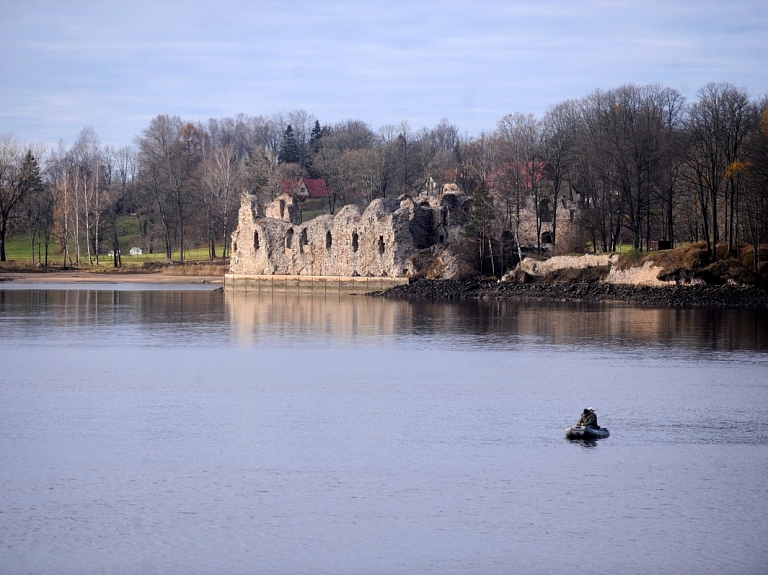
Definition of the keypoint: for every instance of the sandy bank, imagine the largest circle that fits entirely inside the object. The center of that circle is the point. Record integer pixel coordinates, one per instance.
(102, 277)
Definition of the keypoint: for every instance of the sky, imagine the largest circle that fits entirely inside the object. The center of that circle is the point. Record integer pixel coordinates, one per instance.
(113, 66)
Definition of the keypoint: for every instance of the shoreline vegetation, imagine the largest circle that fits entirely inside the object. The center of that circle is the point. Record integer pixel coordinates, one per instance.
(691, 279)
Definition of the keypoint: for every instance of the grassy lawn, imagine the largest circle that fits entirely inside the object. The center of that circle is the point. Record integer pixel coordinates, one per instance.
(18, 251)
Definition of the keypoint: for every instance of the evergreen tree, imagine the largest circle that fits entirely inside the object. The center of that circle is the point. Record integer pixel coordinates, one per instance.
(289, 151)
(315, 135)
(314, 149)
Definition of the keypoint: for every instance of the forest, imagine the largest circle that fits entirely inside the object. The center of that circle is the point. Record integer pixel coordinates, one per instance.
(644, 164)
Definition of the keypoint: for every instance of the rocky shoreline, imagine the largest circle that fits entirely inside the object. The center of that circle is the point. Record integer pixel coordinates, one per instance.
(679, 296)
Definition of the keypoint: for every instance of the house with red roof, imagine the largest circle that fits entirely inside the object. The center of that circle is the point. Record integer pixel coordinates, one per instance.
(305, 188)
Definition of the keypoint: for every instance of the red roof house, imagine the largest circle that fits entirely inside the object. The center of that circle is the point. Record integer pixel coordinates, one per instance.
(305, 188)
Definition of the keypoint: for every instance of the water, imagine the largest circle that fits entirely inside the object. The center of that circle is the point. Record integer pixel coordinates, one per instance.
(195, 432)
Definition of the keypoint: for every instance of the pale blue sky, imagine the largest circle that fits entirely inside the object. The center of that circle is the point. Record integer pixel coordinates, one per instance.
(115, 65)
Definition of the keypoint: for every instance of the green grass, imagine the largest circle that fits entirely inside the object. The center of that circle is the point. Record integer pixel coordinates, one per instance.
(18, 249)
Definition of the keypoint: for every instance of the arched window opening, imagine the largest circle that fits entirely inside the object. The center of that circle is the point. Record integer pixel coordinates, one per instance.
(544, 212)
(546, 238)
(289, 238)
(328, 240)
(303, 240)
(255, 241)
(381, 244)
(354, 241)
(282, 209)
(440, 239)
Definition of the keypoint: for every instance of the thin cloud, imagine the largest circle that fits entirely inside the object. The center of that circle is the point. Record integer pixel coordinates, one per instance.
(115, 66)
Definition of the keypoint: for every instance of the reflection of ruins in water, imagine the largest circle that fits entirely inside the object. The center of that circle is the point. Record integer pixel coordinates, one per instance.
(338, 317)
(249, 317)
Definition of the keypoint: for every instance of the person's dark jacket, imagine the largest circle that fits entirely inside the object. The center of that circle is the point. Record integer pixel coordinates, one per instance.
(591, 420)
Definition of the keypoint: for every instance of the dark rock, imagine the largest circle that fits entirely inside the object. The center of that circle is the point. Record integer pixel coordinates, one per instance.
(721, 296)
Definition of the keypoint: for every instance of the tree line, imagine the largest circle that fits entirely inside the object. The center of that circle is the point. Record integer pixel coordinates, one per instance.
(642, 163)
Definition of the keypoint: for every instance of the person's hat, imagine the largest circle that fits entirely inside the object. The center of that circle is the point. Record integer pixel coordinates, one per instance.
(591, 409)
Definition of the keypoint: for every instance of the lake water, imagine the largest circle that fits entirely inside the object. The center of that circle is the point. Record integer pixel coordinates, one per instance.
(192, 431)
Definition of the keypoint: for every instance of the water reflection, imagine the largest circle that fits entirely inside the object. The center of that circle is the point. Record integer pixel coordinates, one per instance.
(212, 431)
(77, 314)
(342, 318)
(585, 443)
(249, 318)
(499, 323)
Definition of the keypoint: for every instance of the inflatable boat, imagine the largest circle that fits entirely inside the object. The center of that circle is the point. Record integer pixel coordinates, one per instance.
(583, 432)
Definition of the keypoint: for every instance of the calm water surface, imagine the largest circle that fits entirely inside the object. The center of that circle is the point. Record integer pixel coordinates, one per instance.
(145, 431)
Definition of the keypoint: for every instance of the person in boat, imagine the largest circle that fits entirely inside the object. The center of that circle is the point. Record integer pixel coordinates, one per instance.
(583, 417)
(591, 419)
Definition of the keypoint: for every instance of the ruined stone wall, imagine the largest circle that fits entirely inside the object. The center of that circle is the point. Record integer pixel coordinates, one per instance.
(285, 208)
(569, 228)
(376, 242)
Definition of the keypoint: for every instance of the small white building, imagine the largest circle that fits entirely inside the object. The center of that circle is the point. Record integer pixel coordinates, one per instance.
(135, 251)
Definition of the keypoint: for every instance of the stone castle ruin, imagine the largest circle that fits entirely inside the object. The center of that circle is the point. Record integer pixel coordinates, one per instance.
(394, 239)
(376, 242)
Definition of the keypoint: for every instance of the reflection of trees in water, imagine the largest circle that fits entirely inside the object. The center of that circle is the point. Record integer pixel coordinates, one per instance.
(505, 322)
(467, 323)
(598, 324)
(620, 325)
(105, 307)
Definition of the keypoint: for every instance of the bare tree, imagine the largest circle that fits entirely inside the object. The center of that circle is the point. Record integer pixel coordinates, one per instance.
(436, 154)
(717, 126)
(520, 170)
(477, 162)
(348, 157)
(367, 171)
(223, 181)
(257, 173)
(756, 196)
(593, 176)
(669, 186)
(169, 154)
(19, 176)
(113, 180)
(333, 165)
(85, 163)
(558, 152)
